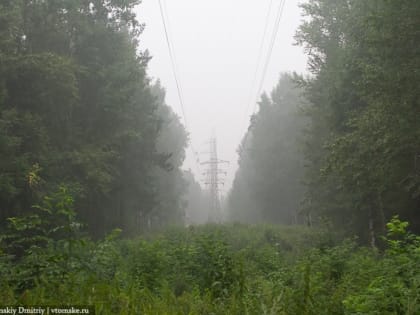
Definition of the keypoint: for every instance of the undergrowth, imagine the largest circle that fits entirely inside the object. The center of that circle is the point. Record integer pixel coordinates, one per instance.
(212, 269)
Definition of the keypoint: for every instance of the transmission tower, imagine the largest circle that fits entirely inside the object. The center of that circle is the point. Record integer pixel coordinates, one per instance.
(213, 182)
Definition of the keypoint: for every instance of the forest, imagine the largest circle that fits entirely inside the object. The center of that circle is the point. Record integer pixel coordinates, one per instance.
(97, 208)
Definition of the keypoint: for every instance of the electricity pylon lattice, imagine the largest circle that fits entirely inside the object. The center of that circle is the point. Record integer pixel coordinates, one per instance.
(213, 182)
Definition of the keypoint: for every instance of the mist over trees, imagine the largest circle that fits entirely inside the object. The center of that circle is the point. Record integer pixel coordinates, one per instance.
(170, 184)
(77, 109)
(197, 210)
(361, 143)
(89, 149)
(268, 185)
(365, 112)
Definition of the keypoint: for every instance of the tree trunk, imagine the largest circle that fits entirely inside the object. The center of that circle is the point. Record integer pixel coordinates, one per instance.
(381, 214)
(371, 230)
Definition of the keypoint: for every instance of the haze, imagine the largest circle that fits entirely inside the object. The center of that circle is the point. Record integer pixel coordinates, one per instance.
(216, 45)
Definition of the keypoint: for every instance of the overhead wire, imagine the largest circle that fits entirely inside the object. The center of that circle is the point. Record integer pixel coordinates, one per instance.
(260, 53)
(259, 58)
(176, 71)
(176, 78)
(270, 49)
(268, 57)
(171, 55)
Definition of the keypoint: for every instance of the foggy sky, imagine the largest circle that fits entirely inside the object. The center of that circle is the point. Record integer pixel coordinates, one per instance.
(216, 45)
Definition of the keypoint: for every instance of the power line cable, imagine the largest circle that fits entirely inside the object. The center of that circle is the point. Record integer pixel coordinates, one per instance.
(270, 51)
(178, 85)
(268, 57)
(171, 55)
(168, 24)
(176, 70)
(259, 58)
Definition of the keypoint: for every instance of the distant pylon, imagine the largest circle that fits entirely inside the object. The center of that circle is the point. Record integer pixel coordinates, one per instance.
(213, 182)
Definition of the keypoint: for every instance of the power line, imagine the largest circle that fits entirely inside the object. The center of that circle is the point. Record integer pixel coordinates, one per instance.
(268, 57)
(270, 51)
(171, 55)
(191, 144)
(260, 53)
(176, 68)
(178, 85)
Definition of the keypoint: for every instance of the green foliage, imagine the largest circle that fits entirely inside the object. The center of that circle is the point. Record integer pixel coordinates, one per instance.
(44, 244)
(230, 269)
(77, 107)
(268, 185)
(362, 142)
(396, 290)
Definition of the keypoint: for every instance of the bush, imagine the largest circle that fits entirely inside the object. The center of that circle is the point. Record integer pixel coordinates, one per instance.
(206, 270)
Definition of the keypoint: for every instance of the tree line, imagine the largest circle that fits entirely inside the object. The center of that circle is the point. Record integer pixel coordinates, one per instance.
(357, 134)
(77, 109)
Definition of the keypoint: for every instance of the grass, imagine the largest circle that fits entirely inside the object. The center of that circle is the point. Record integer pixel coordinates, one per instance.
(220, 269)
